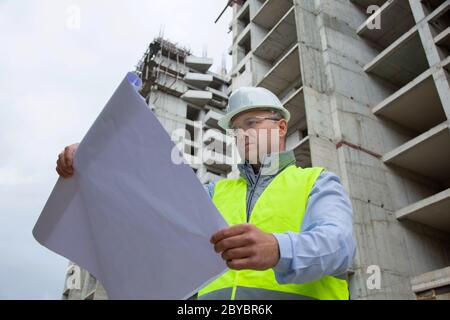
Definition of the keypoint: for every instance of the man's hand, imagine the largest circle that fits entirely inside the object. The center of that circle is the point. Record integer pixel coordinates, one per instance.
(65, 161)
(244, 246)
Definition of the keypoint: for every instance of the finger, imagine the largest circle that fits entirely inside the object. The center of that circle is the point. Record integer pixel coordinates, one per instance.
(62, 161)
(229, 232)
(61, 168)
(237, 253)
(240, 264)
(68, 158)
(61, 173)
(232, 242)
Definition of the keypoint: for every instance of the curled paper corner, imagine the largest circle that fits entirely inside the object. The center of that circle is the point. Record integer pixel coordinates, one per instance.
(134, 80)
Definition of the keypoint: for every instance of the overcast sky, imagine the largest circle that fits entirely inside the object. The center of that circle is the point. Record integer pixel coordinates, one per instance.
(55, 77)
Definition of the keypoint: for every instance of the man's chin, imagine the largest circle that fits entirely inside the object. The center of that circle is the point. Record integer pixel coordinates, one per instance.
(250, 155)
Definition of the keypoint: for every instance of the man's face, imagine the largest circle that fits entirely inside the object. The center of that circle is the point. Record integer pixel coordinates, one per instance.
(258, 132)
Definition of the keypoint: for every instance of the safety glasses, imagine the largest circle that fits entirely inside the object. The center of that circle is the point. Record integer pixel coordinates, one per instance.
(249, 123)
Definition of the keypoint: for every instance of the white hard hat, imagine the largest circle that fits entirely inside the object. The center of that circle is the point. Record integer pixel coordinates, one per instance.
(249, 98)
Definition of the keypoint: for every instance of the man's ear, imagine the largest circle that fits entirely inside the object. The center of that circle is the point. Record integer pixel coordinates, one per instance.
(283, 125)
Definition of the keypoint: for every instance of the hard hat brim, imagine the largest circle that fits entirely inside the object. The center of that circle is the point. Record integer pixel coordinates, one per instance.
(224, 122)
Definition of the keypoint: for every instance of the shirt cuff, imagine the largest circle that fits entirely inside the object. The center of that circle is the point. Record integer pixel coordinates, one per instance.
(285, 246)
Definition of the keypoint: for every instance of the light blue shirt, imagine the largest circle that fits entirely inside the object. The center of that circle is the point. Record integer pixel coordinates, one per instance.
(326, 245)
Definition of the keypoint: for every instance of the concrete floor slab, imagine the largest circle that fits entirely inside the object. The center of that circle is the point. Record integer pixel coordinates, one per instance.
(271, 12)
(402, 61)
(443, 7)
(199, 63)
(285, 72)
(197, 97)
(433, 3)
(211, 119)
(443, 39)
(395, 17)
(416, 106)
(295, 103)
(427, 154)
(198, 80)
(281, 37)
(430, 280)
(432, 211)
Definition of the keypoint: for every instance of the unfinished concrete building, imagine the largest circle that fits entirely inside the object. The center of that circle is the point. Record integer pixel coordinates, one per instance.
(370, 99)
(188, 100)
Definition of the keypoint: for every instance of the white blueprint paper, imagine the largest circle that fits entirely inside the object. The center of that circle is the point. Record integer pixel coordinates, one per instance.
(135, 220)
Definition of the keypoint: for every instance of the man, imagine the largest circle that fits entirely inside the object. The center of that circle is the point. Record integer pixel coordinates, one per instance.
(290, 234)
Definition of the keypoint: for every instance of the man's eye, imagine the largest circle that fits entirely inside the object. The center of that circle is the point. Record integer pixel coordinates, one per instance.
(250, 122)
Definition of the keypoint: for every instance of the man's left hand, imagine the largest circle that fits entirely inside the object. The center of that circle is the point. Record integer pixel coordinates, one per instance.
(245, 246)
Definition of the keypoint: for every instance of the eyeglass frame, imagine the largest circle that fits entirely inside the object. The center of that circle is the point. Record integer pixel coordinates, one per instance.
(233, 131)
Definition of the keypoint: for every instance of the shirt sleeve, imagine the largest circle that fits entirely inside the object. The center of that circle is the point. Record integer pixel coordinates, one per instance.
(209, 188)
(326, 245)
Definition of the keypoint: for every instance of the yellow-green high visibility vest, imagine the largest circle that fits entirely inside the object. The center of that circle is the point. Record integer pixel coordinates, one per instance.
(280, 208)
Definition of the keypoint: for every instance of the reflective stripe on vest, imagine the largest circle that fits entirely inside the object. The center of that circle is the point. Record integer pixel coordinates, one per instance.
(279, 209)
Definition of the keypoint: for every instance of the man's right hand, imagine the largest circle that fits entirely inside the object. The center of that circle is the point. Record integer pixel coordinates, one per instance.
(65, 161)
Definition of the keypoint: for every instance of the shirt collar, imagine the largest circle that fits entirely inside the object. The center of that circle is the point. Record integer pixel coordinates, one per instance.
(271, 164)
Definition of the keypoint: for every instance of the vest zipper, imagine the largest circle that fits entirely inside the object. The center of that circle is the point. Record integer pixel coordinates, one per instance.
(249, 201)
(247, 218)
